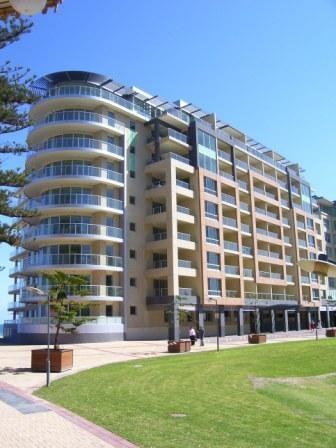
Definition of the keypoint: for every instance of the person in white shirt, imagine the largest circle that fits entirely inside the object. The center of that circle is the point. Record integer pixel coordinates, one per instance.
(192, 335)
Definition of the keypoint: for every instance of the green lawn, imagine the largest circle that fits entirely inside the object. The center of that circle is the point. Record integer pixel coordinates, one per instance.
(215, 391)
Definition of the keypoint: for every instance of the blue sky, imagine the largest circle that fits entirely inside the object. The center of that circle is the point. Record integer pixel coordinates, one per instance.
(266, 67)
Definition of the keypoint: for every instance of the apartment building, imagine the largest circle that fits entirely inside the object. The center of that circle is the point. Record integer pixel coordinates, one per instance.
(173, 216)
(327, 211)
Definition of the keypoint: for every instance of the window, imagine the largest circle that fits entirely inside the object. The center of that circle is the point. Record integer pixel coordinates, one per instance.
(132, 200)
(316, 294)
(132, 149)
(132, 173)
(311, 240)
(208, 316)
(133, 281)
(213, 260)
(214, 287)
(133, 310)
(132, 226)
(210, 185)
(132, 253)
(211, 210)
(132, 125)
(212, 235)
(310, 223)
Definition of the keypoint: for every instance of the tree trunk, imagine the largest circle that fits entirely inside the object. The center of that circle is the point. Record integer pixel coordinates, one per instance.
(58, 327)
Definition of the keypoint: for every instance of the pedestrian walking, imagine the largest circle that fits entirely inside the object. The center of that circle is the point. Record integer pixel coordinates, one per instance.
(201, 336)
(192, 335)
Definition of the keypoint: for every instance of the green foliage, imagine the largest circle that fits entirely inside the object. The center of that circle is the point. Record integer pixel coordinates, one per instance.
(15, 97)
(216, 392)
(65, 312)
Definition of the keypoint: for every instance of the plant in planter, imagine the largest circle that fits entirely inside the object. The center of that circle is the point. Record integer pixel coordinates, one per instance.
(257, 337)
(64, 317)
(177, 345)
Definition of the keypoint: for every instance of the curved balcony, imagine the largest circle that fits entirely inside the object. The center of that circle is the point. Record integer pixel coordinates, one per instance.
(69, 262)
(86, 202)
(86, 95)
(74, 120)
(72, 175)
(87, 293)
(78, 146)
(75, 231)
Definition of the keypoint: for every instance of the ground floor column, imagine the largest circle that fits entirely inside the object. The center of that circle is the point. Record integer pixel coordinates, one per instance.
(173, 321)
(240, 322)
(273, 321)
(328, 317)
(221, 322)
(309, 319)
(298, 320)
(257, 320)
(286, 320)
(200, 319)
(319, 321)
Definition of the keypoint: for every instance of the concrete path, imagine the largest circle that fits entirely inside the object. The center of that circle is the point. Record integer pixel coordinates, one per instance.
(29, 422)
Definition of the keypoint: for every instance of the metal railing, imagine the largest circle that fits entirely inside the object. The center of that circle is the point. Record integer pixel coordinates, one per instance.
(182, 209)
(177, 135)
(228, 198)
(184, 264)
(183, 184)
(158, 209)
(74, 199)
(224, 155)
(245, 228)
(77, 170)
(73, 142)
(72, 229)
(158, 264)
(78, 90)
(186, 292)
(184, 236)
(70, 259)
(266, 212)
(248, 272)
(231, 222)
(230, 245)
(267, 233)
(81, 115)
(247, 250)
(230, 269)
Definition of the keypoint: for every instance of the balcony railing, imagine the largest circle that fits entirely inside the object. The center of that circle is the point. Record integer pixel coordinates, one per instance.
(185, 210)
(81, 115)
(186, 292)
(70, 259)
(179, 158)
(267, 233)
(232, 293)
(92, 320)
(59, 200)
(242, 164)
(248, 272)
(64, 142)
(184, 264)
(242, 184)
(245, 207)
(230, 245)
(78, 90)
(78, 170)
(245, 228)
(224, 155)
(183, 184)
(180, 114)
(290, 278)
(160, 292)
(159, 236)
(269, 254)
(158, 264)
(268, 274)
(228, 198)
(231, 270)
(305, 279)
(177, 135)
(73, 229)
(302, 243)
(184, 236)
(158, 209)
(265, 193)
(265, 212)
(226, 174)
(269, 296)
(231, 222)
(247, 250)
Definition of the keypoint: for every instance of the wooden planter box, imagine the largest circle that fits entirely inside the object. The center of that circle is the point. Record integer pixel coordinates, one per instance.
(60, 360)
(179, 346)
(256, 338)
(331, 332)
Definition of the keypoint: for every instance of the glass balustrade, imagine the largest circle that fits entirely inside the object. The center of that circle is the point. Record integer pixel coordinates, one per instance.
(77, 170)
(60, 200)
(71, 259)
(72, 229)
(78, 90)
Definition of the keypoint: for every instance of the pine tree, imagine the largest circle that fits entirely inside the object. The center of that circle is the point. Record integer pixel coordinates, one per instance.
(15, 97)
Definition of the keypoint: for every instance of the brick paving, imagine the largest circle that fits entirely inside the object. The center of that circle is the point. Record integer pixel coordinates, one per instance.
(29, 422)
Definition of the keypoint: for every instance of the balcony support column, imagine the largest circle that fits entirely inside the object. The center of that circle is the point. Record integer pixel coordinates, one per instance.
(309, 319)
(298, 321)
(328, 316)
(286, 320)
(240, 318)
(319, 321)
(174, 321)
(221, 321)
(273, 320)
(257, 320)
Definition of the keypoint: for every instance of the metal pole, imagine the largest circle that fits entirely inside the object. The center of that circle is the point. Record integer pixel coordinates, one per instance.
(48, 349)
(218, 323)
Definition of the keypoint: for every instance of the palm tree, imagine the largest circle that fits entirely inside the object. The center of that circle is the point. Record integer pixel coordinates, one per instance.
(65, 312)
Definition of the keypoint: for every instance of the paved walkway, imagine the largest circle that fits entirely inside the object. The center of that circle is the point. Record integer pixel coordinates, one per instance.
(29, 422)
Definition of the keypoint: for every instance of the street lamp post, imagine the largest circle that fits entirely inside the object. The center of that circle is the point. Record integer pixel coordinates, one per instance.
(217, 311)
(39, 292)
